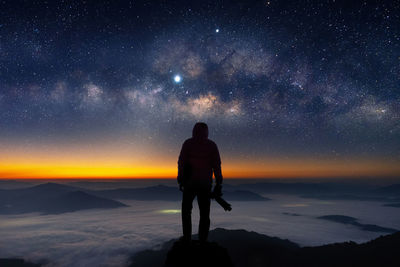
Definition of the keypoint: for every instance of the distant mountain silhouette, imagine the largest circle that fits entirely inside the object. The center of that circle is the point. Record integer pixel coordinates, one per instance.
(250, 249)
(287, 188)
(339, 218)
(290, 214)
(13, 184)
(338, 196)
(395, 205)
(393, 190)
(48, 189)
(159, 192)
(105, 185)
(299, 188)
(353, 221)
(328, 191)
(78, 200)
(324, 191)
(51, 198)
(243, 195)
(168, 193)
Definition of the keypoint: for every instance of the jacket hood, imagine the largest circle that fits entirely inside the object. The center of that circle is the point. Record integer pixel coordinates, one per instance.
(200, 131)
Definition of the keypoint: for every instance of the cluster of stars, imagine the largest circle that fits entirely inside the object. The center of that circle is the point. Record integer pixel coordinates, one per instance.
(271, 70)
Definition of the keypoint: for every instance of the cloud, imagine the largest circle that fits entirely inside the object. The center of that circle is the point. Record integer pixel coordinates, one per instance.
(111, 237)
(88, 238)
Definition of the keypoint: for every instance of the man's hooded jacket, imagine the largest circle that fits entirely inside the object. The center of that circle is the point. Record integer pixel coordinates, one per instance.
(198, 160)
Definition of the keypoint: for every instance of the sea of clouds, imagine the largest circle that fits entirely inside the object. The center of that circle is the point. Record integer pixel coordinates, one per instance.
(111, 237)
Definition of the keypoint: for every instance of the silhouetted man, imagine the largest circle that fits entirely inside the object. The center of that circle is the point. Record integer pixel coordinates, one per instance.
(198, 160)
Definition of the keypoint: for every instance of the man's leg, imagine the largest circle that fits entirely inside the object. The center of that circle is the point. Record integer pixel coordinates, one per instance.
(204, 201)
(187, 201)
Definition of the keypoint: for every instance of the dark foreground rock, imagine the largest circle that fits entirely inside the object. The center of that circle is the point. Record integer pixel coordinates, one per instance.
(183, 254)
(240, 248)
(226, 248)
(197, 254)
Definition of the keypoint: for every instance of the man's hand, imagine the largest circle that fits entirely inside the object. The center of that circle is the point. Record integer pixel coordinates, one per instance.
(181, 187)
(217, 190)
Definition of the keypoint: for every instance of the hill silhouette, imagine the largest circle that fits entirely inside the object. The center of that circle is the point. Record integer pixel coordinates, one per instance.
(305, 188)
(54, 198)
(327, 190)
(353, 221)
(393, 190)
(13, 184)
(395, 205)
(251, 249)
(168, 193)
(78, 200)
(51, 198)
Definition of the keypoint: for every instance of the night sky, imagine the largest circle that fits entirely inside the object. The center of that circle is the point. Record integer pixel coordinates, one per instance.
(112, 89)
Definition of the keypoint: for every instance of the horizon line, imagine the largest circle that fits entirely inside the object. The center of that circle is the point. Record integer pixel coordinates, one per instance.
(228, 178)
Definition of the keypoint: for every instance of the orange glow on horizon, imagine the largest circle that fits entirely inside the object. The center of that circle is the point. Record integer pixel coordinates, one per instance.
(168, 169)
(123, 160)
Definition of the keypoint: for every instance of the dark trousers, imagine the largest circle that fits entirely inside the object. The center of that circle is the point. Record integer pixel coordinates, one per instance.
(204, 201)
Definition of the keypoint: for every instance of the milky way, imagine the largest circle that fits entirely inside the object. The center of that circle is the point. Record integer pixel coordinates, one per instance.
(271, 78)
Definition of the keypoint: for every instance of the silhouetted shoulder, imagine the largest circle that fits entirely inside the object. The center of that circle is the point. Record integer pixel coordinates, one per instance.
(213, 147)
(212, 142)
(188, 142)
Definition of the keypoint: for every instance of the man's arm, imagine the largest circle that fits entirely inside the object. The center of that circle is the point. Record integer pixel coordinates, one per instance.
(216, 164)
(181, 164)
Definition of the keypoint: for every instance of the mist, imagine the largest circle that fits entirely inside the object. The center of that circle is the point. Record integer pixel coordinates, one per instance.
(109, 237)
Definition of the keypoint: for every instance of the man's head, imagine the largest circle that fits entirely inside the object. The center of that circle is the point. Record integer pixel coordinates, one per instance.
(200, 131)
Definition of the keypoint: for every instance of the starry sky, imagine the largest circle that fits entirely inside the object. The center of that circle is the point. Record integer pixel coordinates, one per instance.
(113, 88)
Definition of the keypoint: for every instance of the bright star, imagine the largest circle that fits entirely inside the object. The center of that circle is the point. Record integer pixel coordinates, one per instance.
(217, 30)
(177, 78)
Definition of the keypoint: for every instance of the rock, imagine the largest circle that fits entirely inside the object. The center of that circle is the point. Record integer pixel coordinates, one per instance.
(197, 254)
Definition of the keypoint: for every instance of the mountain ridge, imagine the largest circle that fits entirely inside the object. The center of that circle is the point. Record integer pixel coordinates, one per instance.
(252, 249)
(51, 198)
